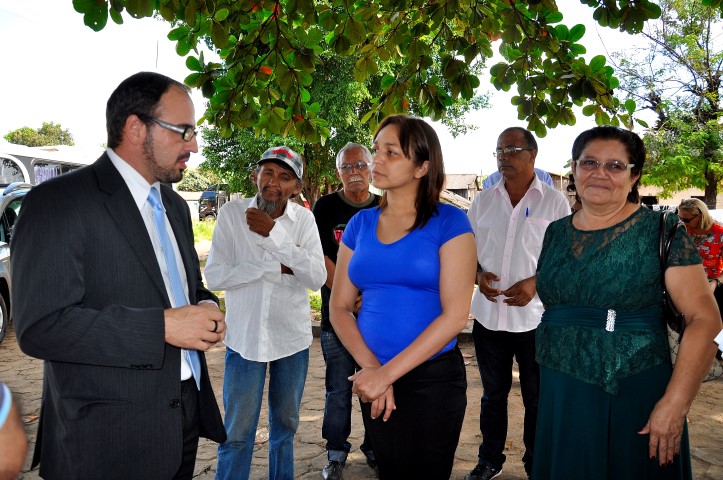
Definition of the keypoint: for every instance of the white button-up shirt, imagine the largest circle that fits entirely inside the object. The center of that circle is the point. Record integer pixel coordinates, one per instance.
(267, 312)
(509, 241)
(140, 189)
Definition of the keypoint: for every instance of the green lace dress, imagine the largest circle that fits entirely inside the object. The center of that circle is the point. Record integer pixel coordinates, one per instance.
(602, 350)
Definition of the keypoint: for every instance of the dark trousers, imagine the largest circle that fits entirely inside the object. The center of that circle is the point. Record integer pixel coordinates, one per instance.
(495, 351)
(718, 294)
(191, 428)
(336, 427)
(421, 436)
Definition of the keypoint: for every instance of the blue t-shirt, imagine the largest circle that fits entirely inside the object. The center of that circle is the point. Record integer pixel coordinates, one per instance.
(399, 282)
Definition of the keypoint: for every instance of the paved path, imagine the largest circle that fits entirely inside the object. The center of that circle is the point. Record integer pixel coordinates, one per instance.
(24, 376)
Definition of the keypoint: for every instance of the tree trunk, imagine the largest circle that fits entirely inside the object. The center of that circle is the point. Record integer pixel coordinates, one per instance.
(711, 190)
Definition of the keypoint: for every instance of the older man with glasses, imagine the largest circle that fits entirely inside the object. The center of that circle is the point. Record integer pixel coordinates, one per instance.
(509, 220)
(332, 212)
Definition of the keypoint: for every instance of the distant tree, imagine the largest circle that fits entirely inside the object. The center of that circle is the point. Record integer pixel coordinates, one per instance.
(49, 134)
(197, 180)
(270, 50)
(678, 76)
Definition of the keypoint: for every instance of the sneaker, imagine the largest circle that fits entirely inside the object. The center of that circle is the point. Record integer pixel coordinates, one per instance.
(333, 471)
(483, 471)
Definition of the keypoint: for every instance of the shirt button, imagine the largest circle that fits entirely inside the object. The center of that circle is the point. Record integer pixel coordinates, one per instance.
(175, 403)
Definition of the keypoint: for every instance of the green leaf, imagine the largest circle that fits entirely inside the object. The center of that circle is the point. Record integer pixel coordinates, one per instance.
(95, 14)
(630, 105)
(192, 63)
(116, 16)
(140, 8)
(221, 15)
(576, 33)
(219, 35)
(387, 81)
(183, 47)
(577, 49)
(178, 33)
(597, 63)
(553, 17)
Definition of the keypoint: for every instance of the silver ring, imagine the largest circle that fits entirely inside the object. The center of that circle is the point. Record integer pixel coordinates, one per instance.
(215, 326)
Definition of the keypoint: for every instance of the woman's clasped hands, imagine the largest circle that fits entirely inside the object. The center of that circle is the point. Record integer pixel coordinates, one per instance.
(371, 387)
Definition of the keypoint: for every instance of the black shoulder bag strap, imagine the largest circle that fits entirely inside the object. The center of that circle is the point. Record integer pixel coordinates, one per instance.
(673, 317)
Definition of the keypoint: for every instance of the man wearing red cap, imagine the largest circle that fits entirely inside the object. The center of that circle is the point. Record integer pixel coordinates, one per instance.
(265, 254)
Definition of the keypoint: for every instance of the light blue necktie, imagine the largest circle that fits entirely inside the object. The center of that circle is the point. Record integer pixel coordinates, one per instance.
(159, 218)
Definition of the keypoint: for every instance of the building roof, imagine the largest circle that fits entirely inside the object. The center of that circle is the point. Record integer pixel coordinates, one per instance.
(452, 198)
(460, 181)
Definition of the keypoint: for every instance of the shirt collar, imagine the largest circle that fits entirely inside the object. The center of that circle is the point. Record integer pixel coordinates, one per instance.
(536, 184)
(139, 186)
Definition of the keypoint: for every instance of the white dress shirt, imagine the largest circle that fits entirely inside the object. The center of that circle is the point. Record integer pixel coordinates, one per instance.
(267, 312)
(509, 241)
(140, 188)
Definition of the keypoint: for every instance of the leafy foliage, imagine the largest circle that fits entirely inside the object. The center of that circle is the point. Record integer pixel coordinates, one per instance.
(49, 134)
(343, 101)
(270, 50)
(197, 180)
(679, 78)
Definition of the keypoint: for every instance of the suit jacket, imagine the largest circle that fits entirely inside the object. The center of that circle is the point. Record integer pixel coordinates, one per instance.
(88, 298)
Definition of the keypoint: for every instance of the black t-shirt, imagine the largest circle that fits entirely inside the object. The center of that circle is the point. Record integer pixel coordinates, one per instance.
(332, 212)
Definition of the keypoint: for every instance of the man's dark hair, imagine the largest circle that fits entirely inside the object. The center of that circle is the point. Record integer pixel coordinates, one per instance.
(139, 95)
(528, 136)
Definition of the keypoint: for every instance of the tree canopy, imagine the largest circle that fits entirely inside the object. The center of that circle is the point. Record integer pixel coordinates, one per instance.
(343, 101)
(269, 50)
(48, 134)
(679, 77)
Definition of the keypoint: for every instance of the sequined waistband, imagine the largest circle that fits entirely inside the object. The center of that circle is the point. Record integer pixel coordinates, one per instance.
(609, 319)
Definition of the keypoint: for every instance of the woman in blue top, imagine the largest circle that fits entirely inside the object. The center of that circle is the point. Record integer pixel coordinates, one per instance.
(413, 259)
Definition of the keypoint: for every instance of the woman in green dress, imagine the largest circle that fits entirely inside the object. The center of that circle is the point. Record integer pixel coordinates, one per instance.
(611, 406)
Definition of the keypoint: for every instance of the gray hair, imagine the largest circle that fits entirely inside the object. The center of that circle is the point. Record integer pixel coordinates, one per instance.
(353, 146)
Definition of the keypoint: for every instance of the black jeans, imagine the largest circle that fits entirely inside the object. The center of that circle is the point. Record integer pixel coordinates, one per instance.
(421, 436)
(495, 351)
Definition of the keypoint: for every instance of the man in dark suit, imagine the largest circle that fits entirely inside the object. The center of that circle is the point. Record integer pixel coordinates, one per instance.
(108, 291)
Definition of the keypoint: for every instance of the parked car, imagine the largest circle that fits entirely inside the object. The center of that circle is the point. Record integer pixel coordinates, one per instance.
(211, 200)
(10, 204)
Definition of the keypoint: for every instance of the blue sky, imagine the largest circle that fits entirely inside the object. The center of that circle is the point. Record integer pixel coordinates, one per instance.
(58, 70)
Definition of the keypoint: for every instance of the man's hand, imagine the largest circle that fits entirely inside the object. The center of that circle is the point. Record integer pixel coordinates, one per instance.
(520, 294)
(192, 326)
(259, 221)
(483, 280)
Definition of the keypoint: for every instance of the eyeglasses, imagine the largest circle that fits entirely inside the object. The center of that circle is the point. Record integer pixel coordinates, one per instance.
(615, 167)
(506, 150)
(187, 131)
(347, 167)
(688, 220)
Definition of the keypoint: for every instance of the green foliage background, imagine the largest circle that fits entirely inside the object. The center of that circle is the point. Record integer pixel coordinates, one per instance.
(48, 134)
